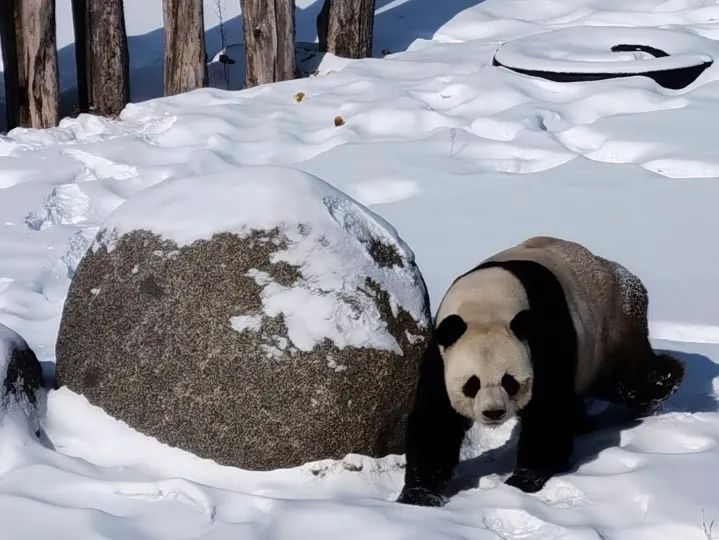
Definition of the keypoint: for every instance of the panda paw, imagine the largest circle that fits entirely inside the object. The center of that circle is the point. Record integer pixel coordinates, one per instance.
(420, 496)
(528, 480)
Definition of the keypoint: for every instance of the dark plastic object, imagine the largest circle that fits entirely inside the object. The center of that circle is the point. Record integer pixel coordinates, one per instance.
(674, 79)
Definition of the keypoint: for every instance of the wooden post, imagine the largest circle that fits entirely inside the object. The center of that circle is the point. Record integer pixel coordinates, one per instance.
(32, 74)
(108, 77)
(9, 59)
(185, 59)
(269, 27)
(345, 27)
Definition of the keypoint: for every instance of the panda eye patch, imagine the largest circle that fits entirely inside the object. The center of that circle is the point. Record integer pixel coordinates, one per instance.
(471, 387)
(510, 384)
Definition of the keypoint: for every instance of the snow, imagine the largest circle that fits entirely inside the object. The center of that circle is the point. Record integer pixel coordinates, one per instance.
(326, 233)
(463, 160)
(241, 323)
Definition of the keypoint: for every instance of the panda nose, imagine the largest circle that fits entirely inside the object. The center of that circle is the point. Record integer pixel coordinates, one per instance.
(494, 414)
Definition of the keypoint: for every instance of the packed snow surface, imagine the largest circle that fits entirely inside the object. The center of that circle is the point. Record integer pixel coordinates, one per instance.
(463, 159)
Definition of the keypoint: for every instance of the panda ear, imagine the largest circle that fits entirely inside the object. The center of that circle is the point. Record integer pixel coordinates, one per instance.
(523, 325)
(450, 330)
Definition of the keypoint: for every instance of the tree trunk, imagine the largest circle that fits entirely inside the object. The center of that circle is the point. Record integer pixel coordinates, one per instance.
(185, 60)
(105, 55)
(32, 74)
(9, 59)
(269, 27)
(345, 27)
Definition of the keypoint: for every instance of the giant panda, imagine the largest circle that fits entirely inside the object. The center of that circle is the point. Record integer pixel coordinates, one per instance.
(531, 332)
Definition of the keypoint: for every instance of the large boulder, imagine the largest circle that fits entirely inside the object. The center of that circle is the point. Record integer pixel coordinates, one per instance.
(261, 318)
(20, 371)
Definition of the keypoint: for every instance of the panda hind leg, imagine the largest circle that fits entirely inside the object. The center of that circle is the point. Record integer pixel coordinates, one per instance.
(645, 380)
(642, 380)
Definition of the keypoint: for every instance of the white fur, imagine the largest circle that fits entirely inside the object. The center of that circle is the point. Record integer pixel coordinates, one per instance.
(487, 300)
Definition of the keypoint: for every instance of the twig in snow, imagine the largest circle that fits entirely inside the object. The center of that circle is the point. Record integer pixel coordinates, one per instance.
(707, 527)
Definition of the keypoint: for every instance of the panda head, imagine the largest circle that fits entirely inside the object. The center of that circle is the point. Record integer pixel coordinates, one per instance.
(487, 366)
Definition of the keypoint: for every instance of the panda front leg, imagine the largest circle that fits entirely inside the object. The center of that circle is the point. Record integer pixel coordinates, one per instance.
(546, 438)
(434, 436)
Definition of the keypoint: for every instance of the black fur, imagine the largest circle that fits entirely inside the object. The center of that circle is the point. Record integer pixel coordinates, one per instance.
(434, 435)
(522, 324)
(510, 384)
(645, 389)
(435, 431)
(472, 386)
(450, 330)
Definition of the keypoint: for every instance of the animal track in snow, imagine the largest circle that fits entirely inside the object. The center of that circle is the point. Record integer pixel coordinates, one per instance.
(98, 167)
(682, 168)
(177, 489)
(383, 191)
(514, 523)
(612, 461)
(655, 438)
(561, 494)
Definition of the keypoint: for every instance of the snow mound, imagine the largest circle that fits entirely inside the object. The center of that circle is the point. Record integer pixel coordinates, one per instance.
(337, 245)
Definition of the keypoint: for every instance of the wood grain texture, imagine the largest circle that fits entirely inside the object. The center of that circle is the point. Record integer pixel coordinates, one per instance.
(184, 42)
(269, 40)
(35, 96)
(345, 27)
(108, 77)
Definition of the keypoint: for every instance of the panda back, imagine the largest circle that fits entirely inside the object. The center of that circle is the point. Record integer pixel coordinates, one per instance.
(594, 296)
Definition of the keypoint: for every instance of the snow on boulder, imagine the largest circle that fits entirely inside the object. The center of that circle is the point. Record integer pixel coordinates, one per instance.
(20, 370)
(260, 318)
